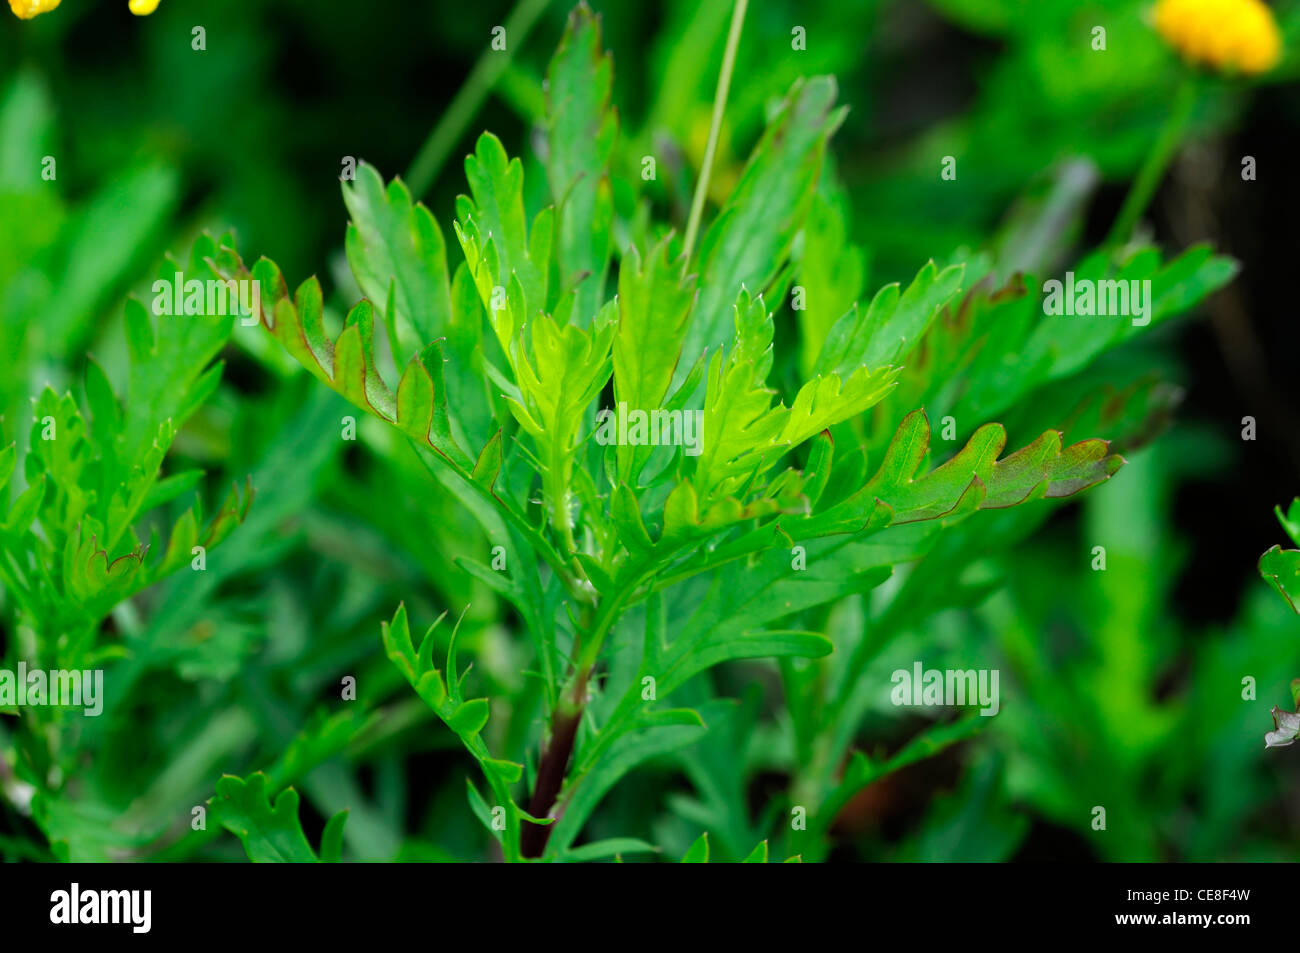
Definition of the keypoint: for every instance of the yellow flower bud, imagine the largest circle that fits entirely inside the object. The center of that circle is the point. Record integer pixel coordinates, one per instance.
(1232, 36)
(26, 9)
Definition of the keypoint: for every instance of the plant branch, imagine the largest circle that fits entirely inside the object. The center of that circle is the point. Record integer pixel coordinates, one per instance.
(567, 716)
(553, 767)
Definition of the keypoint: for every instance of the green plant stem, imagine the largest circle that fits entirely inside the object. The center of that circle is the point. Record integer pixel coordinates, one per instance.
(715, 126)
(552, 769)
(606, 615)
(1157, 161)
(469, 98)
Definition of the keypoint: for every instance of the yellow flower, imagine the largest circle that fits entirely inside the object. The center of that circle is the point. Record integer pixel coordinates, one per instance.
(26, 9)
(1229, 35)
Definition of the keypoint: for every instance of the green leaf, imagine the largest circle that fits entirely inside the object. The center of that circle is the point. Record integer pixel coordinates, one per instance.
(741, 428)
(8, 457)
(1281, 568)
(271, 833)
(104, 408)
(654, 304)
(331, 840)
(1290, 520)
(599, 767)
(831, 272)
(743, 433)
(102, 249)
(699, 851)
(614, 846)
(24, 509)
(748, 243)
(347, 365)
(480, 808)
(826, 401)
(168, 488)
(1074, 340)
(488, 465)
(470, 717)
(26, 128)
(893, 325)
(495, 217)
(395, 242)
(171, 353)
(324, 736)
(581, 128)
(901, 492)
(567, 369)
(467, 719)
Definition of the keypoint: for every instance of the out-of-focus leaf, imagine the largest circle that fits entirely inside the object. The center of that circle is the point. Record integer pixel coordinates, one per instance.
(614, 846)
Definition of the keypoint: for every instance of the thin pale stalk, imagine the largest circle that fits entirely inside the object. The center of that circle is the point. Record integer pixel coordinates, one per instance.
(719, 107)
